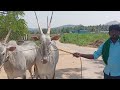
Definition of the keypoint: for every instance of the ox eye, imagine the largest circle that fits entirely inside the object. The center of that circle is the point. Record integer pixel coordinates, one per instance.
(3, 53)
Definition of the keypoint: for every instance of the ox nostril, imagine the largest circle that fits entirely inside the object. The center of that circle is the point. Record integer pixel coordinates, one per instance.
(44, 61)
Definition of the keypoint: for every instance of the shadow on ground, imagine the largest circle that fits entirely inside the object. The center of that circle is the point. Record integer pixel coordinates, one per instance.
(101, 72)
(69, 73)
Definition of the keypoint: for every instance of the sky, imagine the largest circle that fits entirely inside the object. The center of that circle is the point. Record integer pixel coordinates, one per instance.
(60, 18)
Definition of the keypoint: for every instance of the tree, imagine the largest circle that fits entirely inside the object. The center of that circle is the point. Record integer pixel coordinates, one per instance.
(12, 20)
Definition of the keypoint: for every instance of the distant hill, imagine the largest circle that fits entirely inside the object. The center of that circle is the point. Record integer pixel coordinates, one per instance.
(33, 29)
(65, 26)
(112, 23)
(69, 26)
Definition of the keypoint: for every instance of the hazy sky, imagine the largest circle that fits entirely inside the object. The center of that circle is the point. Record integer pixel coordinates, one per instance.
(71, 17)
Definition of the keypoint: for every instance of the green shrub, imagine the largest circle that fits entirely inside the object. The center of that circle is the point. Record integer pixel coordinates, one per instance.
(83, 39)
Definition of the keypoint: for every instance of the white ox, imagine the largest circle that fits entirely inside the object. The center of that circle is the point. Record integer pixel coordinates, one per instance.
(17, 59)
(30, 53)
(14, 61)
(47, 56)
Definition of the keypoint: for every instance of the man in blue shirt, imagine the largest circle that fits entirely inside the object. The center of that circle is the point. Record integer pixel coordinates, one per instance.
(110, 51)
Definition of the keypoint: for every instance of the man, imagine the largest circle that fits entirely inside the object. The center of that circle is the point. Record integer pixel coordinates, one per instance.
(110, 51)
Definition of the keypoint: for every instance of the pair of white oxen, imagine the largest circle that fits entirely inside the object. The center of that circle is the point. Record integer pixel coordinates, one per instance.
(16, 59)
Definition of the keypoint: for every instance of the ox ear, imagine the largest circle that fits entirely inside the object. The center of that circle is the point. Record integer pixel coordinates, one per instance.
(55, 37)
(35, 38)
(12, 48)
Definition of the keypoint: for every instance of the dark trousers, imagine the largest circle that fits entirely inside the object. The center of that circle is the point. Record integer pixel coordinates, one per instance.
(110, 77)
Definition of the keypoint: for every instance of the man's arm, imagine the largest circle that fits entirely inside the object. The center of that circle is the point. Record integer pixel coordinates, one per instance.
(95, 55)
(88, 56)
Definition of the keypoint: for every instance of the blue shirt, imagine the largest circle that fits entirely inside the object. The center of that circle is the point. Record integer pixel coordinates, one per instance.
(113, 66)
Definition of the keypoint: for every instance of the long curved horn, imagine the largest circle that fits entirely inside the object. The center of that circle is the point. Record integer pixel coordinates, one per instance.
(40, 30)
(47, 21)
(49, 27)
(7, 36)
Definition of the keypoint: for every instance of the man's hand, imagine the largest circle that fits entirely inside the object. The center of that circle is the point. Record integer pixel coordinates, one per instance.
(76, 55)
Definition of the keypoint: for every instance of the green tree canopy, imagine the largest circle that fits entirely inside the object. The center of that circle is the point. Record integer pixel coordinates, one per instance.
(12, 20)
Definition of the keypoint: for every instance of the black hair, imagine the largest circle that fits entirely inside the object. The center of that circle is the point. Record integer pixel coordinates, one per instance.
(114, 27)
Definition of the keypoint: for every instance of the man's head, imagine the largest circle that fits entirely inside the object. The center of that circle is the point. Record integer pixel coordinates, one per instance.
(114, 31)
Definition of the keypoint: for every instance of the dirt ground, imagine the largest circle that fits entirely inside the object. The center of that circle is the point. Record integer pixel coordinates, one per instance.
(69, 67)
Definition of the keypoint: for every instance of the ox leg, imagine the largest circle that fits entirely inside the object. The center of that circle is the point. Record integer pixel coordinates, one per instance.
(47, 77)
(36, 72)
(53, 76)
(9, 77)
(24, 76)
(30, 71)
(50, 76)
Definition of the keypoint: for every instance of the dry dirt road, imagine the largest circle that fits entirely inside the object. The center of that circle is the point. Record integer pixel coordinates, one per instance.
(69, 67)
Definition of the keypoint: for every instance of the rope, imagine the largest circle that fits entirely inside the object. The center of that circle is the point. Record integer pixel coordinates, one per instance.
(2, 65)
(81, 67)
(4, 61)
(65, 51)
